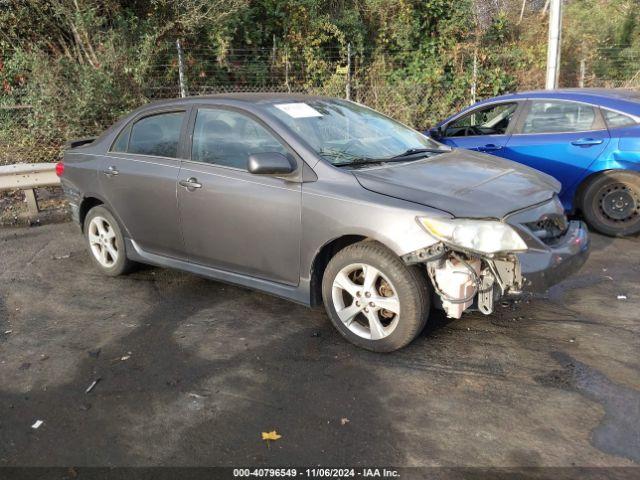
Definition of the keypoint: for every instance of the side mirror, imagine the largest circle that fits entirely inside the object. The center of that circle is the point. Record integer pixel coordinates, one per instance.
(270, 163)
(435, 133)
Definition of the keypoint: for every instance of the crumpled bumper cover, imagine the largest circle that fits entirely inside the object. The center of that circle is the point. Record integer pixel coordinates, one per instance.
(542, 269)
(73, 200)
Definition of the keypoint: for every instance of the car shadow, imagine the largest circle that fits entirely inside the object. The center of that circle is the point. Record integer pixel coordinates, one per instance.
(600, 241)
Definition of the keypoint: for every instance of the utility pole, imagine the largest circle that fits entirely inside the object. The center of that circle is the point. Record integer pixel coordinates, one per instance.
(553, 47)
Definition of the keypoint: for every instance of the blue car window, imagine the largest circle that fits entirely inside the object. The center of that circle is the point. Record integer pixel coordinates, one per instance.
(490, 120)
(616, 120)
(224, 137)
(559, 117)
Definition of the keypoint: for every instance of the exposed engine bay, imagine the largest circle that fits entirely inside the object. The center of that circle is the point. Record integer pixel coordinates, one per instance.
(464, 279)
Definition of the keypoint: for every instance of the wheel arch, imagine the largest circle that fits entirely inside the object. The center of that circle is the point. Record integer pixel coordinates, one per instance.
(92, 200)
(584, 183)
(87, 204)
(321, 260)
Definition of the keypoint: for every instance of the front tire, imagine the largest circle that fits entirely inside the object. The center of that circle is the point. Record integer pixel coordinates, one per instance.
(373, 299)
(106, 242)
(611, 203)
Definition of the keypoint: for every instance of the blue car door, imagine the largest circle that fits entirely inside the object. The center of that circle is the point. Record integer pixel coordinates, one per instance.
(561, 138)
(485, 129)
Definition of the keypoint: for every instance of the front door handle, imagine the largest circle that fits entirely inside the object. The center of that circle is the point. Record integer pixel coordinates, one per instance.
(489, 147)
(111, 171)
(190, 183)
(586, 142)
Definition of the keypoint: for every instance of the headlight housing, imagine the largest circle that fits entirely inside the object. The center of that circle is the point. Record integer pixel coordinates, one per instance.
(484, 236)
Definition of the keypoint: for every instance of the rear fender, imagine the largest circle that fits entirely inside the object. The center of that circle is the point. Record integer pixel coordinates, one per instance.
(622, 154)
(88, 197)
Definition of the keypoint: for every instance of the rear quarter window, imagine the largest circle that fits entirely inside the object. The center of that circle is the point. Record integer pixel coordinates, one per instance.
(122, 141)
(617, 120)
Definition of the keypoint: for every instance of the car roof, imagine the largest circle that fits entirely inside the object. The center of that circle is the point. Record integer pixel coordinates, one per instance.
(252, 98)
(625, 100)
(250, 101)
(619, 99)
(580, 93)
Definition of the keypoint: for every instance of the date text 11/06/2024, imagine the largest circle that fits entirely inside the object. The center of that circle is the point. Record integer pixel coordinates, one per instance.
(316, 472)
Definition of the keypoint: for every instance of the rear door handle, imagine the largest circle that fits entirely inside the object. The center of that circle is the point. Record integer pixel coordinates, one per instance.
(190, 183)
(111, 171)
(585, 142)
(489, 147)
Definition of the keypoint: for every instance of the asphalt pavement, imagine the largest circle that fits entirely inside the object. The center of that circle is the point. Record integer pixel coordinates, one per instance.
(191, 372)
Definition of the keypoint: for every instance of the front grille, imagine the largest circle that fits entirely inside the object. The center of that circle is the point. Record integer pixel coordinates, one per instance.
(549, 228)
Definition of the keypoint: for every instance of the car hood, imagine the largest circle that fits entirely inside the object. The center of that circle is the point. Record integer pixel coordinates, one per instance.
(462, 183)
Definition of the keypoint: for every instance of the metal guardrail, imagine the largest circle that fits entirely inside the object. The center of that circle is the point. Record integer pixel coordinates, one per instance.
(26, 177)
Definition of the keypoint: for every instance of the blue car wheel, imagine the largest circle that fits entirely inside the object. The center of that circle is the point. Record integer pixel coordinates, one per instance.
(611, 203)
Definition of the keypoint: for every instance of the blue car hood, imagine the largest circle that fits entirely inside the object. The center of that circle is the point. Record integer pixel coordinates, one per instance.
(462, 183)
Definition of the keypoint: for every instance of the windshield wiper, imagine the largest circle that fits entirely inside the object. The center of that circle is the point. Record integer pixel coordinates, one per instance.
(352, 159)
(359, 161)
(415, 151)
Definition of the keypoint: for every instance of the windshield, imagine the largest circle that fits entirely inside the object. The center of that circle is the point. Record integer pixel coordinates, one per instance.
(345, 133)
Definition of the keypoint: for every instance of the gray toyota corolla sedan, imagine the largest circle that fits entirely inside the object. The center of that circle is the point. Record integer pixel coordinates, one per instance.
(319, 200)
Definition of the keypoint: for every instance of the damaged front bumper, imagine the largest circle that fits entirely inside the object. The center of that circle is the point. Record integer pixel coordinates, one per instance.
(464, 279)
(543, 269)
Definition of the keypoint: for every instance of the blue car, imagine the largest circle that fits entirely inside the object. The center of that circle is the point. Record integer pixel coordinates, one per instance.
(589, 139)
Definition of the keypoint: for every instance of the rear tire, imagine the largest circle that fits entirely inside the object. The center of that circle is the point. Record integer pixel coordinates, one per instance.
(106, 242)
(360, 281)
(611, 203)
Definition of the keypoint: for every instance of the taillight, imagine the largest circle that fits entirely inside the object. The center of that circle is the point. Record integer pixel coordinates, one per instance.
(59, 169)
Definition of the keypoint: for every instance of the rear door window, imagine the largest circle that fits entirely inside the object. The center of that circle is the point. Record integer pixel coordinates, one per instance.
(157, 135)
(489, 120)
(559, 117)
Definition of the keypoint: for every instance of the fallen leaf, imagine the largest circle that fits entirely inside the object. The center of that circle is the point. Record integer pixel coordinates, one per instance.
(271, 435)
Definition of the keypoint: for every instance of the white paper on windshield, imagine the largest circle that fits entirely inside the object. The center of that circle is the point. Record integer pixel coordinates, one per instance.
(298, 110)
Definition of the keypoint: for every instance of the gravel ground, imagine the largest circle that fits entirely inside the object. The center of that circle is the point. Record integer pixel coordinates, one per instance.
(190, 372)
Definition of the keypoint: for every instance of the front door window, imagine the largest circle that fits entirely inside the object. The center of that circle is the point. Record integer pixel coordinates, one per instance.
(228, 138)
(490, 120)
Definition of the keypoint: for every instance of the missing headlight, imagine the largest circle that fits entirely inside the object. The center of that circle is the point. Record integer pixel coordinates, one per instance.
(463, 279)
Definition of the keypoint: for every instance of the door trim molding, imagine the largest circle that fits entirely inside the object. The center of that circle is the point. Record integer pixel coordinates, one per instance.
(299, 294)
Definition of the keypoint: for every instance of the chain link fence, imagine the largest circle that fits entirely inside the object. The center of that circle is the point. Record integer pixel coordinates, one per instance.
(366, 78)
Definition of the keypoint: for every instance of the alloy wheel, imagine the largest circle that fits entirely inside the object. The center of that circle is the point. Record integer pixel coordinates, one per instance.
(366, 301)
(102, 240)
